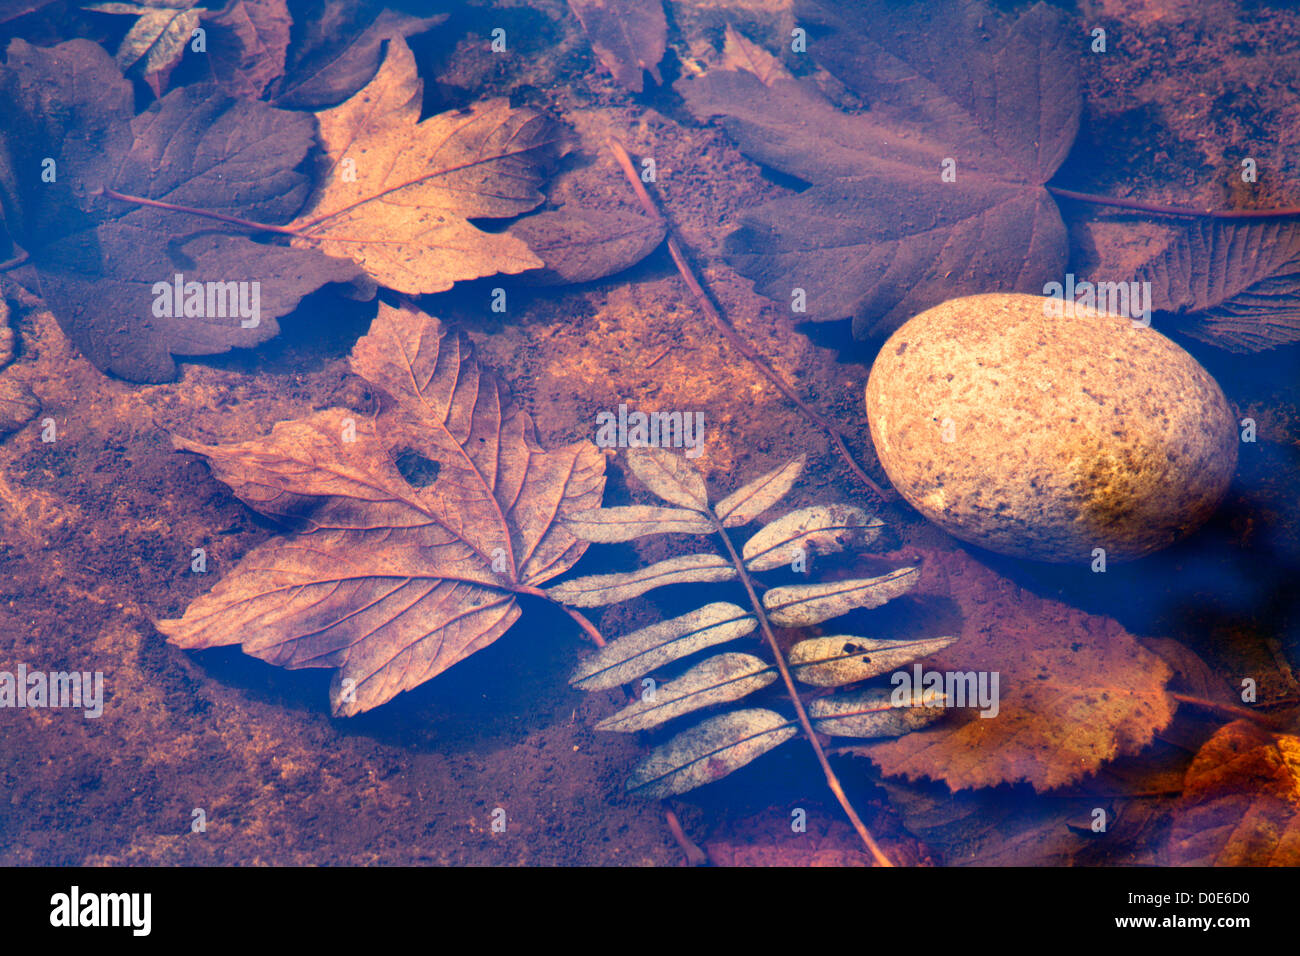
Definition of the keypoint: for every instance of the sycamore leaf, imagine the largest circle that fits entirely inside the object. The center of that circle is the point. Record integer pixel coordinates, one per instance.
(399, 193)
(611, 525)
(709, 751)
(844, 659)
(579, 245)
(747, 503)
(1231, 284)
(629, 36)
(642, 651)
(800, 605)
(97, 262)
(1241, 801)
(821, 529)
(872, 712)
(717, 680)
(157, 40)
(879, 236)
(596, 590)
(392, 581)
(669, 476)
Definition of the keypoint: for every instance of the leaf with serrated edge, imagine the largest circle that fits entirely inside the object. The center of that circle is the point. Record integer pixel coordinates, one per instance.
(872, 713)
(636, 654)
(821, 529)
(800, 605)
(669, 476)
(611, 525)
(716, 680)
(595, 590)
(844, 659)
(389, 582)
(628, 35)
(402, 207)
(709, 751)
(745, 504)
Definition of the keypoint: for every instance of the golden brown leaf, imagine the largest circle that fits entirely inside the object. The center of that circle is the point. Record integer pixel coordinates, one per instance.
(413, 532)
(1240, 801)
(1075, 689)
(399, 193)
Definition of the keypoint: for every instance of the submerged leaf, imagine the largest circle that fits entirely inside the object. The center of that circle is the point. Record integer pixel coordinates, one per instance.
(844, 659)
(1234, 285)
(106, 268)
(400, 192)
(800, 605)
(873, 713)
(716, 680)
(821, 529)
(709, 751)
(747, 503)
(629, 36)
(611, 525)
(669, 476)
(595, 590)
(640, 652)
(157, 40)
(388, 582)
(880, 236)
(247, 41)
(579, 245)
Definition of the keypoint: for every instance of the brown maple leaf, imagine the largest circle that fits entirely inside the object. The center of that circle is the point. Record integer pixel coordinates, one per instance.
(399, 193)
(413, 533)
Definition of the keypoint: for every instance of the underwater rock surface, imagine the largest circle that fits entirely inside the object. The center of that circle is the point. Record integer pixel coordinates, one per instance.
(1046, 436)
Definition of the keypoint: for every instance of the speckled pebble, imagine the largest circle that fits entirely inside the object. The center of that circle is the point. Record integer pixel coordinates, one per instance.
(1045, 436)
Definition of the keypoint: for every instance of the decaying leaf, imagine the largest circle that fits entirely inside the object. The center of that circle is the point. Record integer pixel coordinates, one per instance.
(392, 582)
(721, 744)
(1241, 801)
(875, 712)
(820, 529)
(596, 590)
(157, 40)
(844, 659)
(640, 652)
(611, 525)
(801, 605)
(399, 193)
(98, 262)
(1231, 284)
(339, 50)
(709, 751)
(715, 680)
(247, 43)
(881, 234)
(629, 36)
(580, 245)
(748, 502)
(1074, 689)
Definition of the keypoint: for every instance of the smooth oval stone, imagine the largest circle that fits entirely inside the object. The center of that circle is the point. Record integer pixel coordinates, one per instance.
(1047, 436)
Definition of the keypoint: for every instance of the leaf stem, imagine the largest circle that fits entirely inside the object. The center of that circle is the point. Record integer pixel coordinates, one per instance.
(1230, 711)
(706, 305)
(1161, 209)
(831, 779)
(205, 213)
(587, 627)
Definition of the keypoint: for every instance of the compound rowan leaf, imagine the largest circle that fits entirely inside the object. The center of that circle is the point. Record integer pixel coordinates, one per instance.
(1234, 285)
(882, 234)
(709, 751)
(411, 534)
(98, 262)
(716, 680)
(399, 193)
